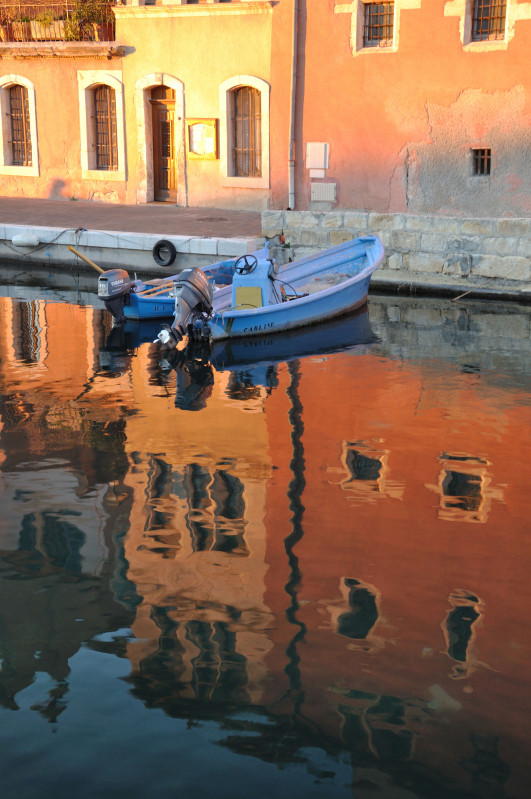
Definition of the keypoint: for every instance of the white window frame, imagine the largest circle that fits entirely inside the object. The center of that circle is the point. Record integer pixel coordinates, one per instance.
(463, 9)
(87, 80)
(6, 152)
(357, 11)
(227, 180)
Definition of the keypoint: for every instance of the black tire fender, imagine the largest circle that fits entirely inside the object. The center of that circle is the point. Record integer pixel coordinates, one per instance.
(164, 253)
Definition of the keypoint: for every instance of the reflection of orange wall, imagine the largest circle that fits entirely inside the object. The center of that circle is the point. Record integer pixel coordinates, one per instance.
(397, 542)
(58, 339)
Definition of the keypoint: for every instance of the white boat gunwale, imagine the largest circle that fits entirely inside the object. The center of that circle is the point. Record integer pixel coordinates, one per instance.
(293, 269)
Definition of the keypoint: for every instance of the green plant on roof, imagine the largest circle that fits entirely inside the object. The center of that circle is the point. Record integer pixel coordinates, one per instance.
(83, 15)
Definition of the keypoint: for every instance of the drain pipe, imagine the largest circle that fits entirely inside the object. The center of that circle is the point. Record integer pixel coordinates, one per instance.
(291, 163)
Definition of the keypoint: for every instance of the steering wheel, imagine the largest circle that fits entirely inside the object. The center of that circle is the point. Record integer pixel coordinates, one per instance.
(245, 264)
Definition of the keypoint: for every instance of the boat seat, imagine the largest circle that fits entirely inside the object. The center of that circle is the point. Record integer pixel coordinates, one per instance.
(248, 297)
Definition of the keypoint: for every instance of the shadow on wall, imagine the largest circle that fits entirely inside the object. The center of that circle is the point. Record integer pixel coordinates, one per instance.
(57, 190)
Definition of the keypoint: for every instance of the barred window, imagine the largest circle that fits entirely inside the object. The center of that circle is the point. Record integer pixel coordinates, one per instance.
(378, 24)
(488, 19)
(105, 138)
(481, 161)
(20, 126)
(246, 127)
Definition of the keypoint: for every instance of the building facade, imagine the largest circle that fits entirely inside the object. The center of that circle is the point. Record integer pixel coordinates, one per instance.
(394, 107)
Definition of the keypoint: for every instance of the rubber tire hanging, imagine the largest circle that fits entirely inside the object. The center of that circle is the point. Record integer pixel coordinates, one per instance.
(164, 253)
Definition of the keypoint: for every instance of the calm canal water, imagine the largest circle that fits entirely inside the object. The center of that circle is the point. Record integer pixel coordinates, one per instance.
(301, 570)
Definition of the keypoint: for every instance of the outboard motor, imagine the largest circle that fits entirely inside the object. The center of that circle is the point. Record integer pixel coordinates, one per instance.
(114, 288)
(193, 303)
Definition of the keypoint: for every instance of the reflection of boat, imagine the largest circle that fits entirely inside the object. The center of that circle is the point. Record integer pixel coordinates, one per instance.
(339, 334)
(263, 299)
(122, 341)
(195, 379)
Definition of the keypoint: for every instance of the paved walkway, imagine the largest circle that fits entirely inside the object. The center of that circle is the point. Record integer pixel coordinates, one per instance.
(152, 218)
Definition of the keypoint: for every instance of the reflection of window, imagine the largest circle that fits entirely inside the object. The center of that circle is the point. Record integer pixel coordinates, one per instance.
(362, 613)
(362, 467)
(28, 334)
(378, 24)
(366, 473)
(227, 493)
(216, 515)
(488, 19)
(464, 488)
(105, 140)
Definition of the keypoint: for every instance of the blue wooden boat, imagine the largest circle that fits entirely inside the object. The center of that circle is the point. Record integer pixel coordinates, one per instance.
(264, 300)
(155, 299)
(128, 298)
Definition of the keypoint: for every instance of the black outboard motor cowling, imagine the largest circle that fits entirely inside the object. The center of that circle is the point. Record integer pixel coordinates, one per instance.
(193, 301)
(114, 288)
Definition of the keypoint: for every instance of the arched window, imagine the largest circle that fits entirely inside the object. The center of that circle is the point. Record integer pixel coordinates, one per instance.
(105, 137)
(246, 132)
(101, 121)
(19, 146)
(20, 126)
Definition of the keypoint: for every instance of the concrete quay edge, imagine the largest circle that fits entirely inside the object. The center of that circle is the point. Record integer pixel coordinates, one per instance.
(118, 249)
(133, 251)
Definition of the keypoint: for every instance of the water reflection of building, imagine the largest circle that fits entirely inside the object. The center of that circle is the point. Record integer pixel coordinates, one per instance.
(259, 579)
(196, 545)
(64, 509)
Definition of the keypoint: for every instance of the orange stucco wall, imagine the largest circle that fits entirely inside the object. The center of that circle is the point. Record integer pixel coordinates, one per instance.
(400, 125)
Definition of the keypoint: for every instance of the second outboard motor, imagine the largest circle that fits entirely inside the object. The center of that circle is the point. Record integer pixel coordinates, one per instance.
(193, 302)
(114, 288)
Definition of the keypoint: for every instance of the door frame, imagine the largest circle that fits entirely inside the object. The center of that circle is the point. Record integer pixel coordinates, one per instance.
(156, 106)
(145, 191)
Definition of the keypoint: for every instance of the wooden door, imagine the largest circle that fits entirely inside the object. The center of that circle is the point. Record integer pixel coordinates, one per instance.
(164, 161)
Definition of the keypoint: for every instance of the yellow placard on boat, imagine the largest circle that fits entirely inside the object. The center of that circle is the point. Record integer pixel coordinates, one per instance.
(248, 297)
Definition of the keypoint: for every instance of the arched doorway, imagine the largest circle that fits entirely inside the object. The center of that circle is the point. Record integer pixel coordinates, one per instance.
(162, 101)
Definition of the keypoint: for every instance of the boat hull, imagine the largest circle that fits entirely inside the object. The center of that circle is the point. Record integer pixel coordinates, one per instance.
(313, 308)
(140, 308)
(347, 332)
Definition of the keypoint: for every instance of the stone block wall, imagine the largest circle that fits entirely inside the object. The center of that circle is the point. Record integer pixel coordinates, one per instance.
(481, 251)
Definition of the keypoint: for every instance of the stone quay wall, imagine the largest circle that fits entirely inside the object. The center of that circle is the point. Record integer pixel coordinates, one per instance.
(493, 253)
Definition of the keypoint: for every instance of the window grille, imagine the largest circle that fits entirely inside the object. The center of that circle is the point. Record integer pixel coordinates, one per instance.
(481, 160)
(246, 132)
(378, 24)
(20, 126)
(105, 137)
(488, 19)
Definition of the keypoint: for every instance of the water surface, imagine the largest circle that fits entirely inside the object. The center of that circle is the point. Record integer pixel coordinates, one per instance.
(301, 569)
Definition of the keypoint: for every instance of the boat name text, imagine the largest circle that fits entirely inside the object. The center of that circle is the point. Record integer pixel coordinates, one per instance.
(257, 328)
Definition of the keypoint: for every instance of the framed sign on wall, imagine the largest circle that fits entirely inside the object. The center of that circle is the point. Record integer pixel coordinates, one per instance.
(202, 138)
